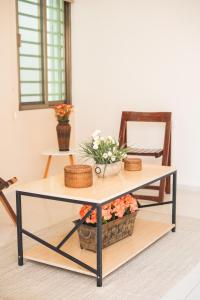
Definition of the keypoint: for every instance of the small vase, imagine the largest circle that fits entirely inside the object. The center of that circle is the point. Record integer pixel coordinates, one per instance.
(63, 134)
(106, 170)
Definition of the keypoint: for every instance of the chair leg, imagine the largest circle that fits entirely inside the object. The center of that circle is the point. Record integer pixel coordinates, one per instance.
(161, 193)
(162, 190)
(168, 179)
(147, 197)
(8, 208)
(168, 185)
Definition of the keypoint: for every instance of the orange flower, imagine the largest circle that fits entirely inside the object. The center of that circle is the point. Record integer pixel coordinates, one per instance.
(93, 218)
(83, 212)
(62, 112)
(106, 212)
(116, 209)
(130, 202)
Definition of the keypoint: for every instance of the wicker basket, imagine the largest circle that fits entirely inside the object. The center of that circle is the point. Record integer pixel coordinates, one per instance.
(132, 164)
(78, 176)
(112, 232)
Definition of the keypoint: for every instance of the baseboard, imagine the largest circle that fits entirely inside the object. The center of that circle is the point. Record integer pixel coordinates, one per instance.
(188, 204)
(191, 188)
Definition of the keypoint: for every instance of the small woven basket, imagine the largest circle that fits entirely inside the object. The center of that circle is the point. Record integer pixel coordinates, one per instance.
(78, 176)
(112, 232)
(132, 164)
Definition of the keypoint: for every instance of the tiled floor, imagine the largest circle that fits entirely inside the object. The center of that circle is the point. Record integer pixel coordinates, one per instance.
(195, 292)
(188, 204)
(186, 289)
(7, 229)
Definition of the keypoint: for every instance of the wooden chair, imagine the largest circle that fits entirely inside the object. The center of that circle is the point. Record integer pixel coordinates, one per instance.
(5, 184)
(165, 152)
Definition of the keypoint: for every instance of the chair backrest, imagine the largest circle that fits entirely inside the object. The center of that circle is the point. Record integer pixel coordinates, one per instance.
(133, 116)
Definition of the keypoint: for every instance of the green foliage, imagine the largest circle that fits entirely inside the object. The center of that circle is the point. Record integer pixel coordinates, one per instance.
(104, 150)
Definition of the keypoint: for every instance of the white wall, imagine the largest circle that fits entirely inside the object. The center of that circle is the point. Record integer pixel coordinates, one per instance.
(24, 134)
(139, 55)
(130, 54)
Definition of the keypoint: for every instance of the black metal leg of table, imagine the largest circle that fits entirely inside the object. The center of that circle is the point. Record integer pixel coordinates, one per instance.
(174, 200)
(99, 246)
(19, 229)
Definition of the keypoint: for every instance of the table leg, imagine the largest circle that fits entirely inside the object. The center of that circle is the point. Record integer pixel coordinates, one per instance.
(47, 166)
(174, 201)
(19, 229)
(71, 159)
(99, 246)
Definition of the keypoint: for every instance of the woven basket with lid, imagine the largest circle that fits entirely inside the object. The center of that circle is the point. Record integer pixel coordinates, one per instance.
(78, 176)
(132, 164)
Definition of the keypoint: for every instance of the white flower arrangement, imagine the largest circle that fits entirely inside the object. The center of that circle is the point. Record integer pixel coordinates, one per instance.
(104, 150)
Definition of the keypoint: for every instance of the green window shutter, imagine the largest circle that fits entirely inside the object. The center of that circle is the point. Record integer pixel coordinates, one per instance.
(55, 50)
(42, 64)
(30, 56)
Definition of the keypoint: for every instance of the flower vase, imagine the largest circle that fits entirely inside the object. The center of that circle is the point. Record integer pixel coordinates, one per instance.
(63, 134)
(106, 170)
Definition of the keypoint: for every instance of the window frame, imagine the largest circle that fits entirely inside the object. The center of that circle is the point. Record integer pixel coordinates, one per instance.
(68, 71)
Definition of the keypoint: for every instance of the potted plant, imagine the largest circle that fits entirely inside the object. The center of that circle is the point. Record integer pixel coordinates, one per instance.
(106, 153)
(118, 219)
(63, 128)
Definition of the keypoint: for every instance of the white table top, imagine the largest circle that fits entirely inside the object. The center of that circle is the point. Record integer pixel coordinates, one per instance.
(103, 189)
(56, 152)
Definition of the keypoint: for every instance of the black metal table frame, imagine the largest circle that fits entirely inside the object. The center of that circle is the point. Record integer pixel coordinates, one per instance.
(97, 206)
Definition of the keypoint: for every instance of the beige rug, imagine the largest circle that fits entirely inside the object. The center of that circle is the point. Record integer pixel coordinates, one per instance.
(147, 277)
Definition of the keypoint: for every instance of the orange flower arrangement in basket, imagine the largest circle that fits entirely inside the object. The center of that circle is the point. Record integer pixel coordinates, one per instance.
(62, 112)
(116, 209)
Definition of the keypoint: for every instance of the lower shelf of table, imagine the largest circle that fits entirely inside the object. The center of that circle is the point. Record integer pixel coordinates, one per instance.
(146, 232)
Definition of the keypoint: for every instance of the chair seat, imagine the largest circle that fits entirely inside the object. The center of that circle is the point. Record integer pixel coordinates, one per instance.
(145, 152)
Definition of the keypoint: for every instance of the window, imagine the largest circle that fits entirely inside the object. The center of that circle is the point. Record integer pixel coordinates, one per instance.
(44, 52)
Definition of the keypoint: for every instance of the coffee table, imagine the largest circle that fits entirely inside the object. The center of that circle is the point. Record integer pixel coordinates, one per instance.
(64, 251)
